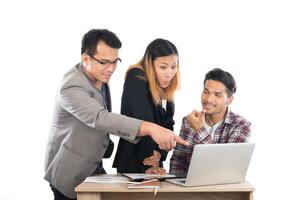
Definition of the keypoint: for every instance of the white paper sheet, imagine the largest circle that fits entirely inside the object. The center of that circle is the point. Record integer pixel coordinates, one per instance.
(106, 178)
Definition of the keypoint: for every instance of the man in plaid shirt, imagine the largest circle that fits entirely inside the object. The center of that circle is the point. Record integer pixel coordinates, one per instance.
(214, 124)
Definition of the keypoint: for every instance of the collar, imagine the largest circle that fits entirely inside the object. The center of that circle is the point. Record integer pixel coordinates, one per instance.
(227, 118)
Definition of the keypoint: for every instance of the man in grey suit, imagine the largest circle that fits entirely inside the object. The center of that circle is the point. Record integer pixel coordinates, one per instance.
(82, 120)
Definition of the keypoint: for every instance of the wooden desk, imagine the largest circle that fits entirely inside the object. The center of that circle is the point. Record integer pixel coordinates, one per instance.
(99, 191)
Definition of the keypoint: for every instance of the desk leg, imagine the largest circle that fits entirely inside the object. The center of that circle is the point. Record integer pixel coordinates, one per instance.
(250, 195)
(88, 196)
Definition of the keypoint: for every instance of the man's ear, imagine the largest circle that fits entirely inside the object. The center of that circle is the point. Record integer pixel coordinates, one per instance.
(229, 100)
(85, 59)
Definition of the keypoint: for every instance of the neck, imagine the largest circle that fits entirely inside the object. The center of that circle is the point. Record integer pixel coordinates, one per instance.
(214, 118)
(95, 82)
(98, 84)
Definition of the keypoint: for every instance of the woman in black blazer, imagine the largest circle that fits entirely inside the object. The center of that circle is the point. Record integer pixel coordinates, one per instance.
(148, 95)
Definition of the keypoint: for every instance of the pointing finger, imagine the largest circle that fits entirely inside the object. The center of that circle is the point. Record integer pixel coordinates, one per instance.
(181, 141)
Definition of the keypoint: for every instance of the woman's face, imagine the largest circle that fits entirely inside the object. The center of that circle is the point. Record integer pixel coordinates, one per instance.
(165, 69)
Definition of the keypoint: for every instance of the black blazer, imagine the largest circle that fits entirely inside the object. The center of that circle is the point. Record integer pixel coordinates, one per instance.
(137, 102)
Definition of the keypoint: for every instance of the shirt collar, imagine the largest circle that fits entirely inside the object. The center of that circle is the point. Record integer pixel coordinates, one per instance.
(227, 118)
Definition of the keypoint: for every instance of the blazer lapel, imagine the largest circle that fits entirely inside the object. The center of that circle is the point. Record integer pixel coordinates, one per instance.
(108, 97)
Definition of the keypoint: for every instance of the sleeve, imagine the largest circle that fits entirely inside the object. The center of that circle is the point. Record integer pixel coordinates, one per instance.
(78, 100)
(203, 137)
(178, 162)
(200, 136)
(163, 155)
(240, 133)
(168, 122)
(181, 157)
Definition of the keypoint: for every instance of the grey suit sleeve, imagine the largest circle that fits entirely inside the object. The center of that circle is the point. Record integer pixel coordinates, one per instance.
(79, 101)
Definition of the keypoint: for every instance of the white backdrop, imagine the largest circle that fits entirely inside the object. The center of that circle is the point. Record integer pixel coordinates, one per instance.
(257, 41)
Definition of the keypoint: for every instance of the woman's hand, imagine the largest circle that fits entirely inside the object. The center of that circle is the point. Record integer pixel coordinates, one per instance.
(153, 160)
(156, 170)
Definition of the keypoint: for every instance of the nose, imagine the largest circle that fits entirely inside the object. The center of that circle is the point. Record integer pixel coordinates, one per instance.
(169, 73)
(209, 98)
(110, 67)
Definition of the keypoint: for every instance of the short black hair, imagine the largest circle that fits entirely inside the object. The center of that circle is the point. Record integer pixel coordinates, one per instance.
(224, 77)
(90, 40)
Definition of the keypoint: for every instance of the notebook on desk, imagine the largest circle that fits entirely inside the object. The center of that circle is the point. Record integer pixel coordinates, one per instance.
(217, 164)
(143, 176)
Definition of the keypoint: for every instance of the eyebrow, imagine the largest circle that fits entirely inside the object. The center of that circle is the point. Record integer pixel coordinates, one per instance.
(163, 63)
(174, 63)
(106, 60)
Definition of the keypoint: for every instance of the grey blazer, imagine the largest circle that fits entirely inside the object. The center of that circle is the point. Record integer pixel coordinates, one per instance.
(80, 131)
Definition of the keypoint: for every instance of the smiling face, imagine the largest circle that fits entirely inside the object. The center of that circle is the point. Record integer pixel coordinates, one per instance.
(215, 98)
(100, 67)
(165, 68)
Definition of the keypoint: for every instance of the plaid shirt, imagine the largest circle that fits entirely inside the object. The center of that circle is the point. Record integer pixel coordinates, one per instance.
(234, 129)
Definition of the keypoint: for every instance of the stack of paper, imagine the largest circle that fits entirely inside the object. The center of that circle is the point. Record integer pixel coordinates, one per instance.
(107, 179)
(152, 183)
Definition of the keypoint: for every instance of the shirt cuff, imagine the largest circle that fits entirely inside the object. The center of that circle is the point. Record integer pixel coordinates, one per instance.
(201, 135)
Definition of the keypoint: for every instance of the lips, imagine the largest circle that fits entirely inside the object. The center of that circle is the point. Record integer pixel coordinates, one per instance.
(167, 82)
(209, 106)
(107, 76)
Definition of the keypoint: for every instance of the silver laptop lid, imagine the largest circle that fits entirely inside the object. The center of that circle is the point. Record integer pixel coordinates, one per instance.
(219, 163)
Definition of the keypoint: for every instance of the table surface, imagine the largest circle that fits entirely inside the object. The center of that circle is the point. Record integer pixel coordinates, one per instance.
(164, 187)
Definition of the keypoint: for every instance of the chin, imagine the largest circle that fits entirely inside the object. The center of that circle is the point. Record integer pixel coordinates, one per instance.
(209, 112)
(105, 80)
(164, 86)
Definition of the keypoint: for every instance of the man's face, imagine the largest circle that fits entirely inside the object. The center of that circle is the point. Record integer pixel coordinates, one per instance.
(101, 66)
(214, 98)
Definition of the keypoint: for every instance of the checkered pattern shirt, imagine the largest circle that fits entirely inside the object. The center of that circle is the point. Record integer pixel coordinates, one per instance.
(234, 129)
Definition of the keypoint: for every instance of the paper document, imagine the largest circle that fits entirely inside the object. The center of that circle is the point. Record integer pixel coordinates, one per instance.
(107, 178)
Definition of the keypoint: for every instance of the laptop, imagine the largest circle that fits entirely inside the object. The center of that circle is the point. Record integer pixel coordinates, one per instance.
(217, 164)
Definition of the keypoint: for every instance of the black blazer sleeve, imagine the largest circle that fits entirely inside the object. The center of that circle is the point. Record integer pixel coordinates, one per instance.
(137, 103)
(167, 121)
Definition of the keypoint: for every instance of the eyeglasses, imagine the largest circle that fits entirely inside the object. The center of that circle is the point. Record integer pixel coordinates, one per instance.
(106, 64)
